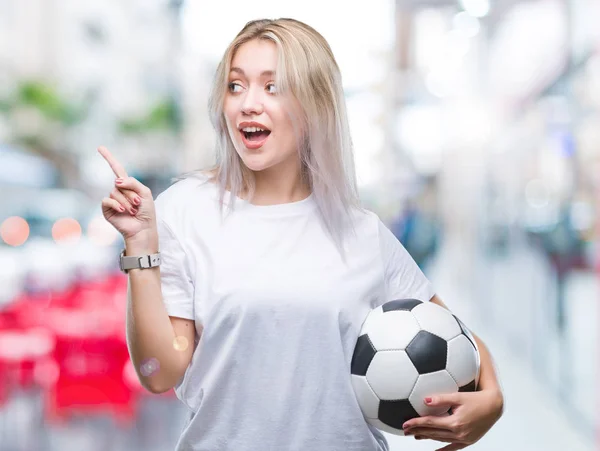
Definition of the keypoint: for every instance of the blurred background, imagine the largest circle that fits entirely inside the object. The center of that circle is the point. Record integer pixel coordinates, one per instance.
(476, 126)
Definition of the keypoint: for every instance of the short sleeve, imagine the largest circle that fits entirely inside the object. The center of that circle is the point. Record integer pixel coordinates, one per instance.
(403, 277)
(176, 281)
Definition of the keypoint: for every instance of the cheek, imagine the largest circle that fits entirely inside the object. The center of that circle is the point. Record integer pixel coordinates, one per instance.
(294, 123)
(228, 110)
(287, 123)
(229, 115)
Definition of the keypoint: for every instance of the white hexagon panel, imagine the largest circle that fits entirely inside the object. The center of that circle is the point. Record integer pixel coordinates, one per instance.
(392, 375)
(437, 320)
(372, 317)
(462, 360)
(368, 400)
(431, 384)
(391, 330)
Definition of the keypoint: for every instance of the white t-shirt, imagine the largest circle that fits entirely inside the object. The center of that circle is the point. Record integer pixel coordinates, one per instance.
(280, 313)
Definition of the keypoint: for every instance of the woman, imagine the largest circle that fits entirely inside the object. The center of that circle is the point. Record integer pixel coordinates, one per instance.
(252, 316)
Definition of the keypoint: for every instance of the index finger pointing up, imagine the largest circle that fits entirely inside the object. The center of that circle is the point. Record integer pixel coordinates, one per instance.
(114, 164)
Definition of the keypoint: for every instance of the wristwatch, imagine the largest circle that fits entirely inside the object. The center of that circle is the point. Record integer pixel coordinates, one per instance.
(142, 262)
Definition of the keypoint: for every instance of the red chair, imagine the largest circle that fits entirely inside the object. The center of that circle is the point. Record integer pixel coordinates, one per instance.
(20, 351)
(3, 384)
(90, 353)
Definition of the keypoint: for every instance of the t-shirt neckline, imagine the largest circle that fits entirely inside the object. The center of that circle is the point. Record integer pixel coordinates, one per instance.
(296, 207)
(289, 208)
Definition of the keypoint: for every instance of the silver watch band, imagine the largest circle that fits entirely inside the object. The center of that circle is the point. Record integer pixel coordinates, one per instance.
(139, 262)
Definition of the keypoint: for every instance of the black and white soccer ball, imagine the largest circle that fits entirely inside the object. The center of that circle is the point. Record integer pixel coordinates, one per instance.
(408, 350)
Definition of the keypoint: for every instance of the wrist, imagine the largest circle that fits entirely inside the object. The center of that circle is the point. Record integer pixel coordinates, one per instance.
(143, 243)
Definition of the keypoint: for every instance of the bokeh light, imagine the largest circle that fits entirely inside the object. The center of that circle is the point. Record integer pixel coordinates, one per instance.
(180, 343)
(14, 231)
(466, 24)
(149, 367)
(66, 229)
(476, 8)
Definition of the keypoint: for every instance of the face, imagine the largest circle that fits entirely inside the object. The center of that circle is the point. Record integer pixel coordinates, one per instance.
(257, 115)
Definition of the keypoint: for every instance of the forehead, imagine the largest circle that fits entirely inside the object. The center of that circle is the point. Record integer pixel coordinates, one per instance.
(255, 57)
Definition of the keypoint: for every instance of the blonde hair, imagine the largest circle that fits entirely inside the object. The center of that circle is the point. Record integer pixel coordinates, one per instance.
(306, 70)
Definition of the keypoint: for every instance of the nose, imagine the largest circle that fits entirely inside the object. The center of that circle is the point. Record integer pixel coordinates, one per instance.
(252, 104)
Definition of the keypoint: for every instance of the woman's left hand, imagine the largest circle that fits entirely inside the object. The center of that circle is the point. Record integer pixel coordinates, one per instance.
(473, 414)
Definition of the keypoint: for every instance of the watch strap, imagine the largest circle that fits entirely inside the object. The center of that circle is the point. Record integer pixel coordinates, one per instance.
(138, 262)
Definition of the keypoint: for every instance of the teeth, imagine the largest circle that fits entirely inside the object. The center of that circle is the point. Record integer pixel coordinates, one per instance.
(252, 129)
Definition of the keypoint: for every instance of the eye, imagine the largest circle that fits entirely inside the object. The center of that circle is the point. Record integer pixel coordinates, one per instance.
(271, 88)
(233, 86)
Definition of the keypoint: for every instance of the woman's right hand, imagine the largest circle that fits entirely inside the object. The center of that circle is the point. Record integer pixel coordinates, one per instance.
(130, 205)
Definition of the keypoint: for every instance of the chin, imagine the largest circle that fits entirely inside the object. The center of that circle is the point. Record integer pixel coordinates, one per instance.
(256, 163)
(256, 167)
(260, 159)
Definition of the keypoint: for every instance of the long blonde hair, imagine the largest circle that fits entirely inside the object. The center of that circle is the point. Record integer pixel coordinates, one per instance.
(307, 70)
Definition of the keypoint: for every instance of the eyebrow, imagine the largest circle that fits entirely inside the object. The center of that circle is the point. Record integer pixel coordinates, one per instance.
(264, 73)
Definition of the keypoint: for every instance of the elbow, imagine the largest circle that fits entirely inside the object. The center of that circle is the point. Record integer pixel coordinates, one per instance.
(163, 380)
(156, 388)
(155, 384)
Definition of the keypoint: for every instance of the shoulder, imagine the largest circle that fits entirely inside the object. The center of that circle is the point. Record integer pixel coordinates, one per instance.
(194, 185)
(364, 229)
(366, 220)
(369, 223)
(186, 194)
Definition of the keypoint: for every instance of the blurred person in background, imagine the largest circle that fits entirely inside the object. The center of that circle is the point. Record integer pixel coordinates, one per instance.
(418, 226)
(252, 318)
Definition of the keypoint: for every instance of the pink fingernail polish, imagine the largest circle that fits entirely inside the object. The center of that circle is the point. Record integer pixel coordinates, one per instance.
(118, 181)
(136, 200)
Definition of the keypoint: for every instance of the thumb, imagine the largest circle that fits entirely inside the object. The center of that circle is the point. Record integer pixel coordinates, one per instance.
(447, 399)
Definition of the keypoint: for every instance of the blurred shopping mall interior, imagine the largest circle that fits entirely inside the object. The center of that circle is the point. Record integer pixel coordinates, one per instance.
(476, 132)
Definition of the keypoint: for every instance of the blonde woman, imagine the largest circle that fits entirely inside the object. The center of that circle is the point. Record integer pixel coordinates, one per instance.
(268, 266)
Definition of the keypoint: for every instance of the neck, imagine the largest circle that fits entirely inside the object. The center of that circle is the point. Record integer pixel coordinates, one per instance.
(279, 187)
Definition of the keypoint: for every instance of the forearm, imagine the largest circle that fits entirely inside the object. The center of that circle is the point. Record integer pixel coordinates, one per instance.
(150, 334)
(488, 378)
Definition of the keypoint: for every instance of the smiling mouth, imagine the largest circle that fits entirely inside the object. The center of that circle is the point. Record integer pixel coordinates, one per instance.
(254, 137)
(257, 136)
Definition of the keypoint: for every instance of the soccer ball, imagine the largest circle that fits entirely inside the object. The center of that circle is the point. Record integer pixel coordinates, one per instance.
(408, 350)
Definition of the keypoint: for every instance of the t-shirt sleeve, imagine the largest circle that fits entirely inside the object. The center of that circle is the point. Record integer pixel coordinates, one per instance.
(403, 277)
(175, 275)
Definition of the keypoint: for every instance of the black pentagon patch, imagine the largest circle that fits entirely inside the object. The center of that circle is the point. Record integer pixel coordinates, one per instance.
(468, 388)
(466, 331)
(400, 304)
(363, 354)
(396, 413)
(428, 352)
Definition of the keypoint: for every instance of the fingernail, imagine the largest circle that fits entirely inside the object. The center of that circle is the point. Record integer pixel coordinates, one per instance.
(121, 209)
(136, 200)
(133, 211)
(119, 181)
(428, 400)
